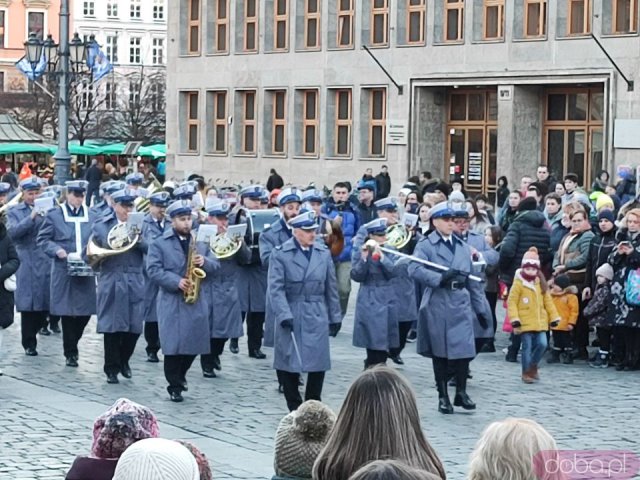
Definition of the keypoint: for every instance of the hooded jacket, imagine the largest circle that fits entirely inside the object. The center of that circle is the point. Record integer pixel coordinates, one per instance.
(566, 304)
(527, 230)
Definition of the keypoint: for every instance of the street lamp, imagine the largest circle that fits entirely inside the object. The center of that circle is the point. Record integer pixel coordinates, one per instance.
(33, 49)
(76, 49)
(50, 52)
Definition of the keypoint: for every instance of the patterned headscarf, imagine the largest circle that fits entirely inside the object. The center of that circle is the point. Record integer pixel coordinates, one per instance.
(123, 424)
(201, 460)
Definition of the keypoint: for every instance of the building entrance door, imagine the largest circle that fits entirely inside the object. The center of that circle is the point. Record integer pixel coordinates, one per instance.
(473, 139)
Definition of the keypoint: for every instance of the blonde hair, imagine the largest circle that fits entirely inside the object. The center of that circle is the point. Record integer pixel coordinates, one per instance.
(378, 420)
(506, 451)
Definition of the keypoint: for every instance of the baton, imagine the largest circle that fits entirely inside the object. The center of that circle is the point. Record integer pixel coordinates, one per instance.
(295, 347)
(437, 266)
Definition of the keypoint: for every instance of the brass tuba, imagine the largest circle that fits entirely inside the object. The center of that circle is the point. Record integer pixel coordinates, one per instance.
(195, 274)
(120, 240)
(398, 235)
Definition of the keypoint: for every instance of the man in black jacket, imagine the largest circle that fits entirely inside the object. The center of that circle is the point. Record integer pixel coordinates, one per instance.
(383, 183)
(94, 177)
(274, 181)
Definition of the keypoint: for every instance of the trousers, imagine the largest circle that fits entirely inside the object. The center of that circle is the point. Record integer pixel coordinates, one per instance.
(315, 381)
(31, 323)
(533, 346)
(152, 337)
(561, 339)
(118, 349)
(255, 330)
(375, 357)
(72, 330)
(343, 277)
(444, 368)
(175, 371)
(403, 328)
(217, 347)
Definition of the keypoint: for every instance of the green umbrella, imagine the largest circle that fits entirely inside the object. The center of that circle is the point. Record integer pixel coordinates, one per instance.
(9, 148)
(113, 149)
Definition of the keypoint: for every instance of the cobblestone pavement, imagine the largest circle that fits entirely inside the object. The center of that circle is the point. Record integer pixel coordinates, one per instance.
(47, 409)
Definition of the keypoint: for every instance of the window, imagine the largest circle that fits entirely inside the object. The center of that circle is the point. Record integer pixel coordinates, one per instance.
(310, 122)
(158, 10)
(343, 123)
(89, 8)
(281, 25)
(312, 24)
(535, 18)
(579, 17)
(454, 20)
(134, 94)
(1, 81)
(87, 94)
(625, 16)
(248, 122)
(377, 122)
(35, 23)
(345, 24)
(112, 9)
(251, 25)
(134, 50)
(573, 132)
(135, 9)
(279, 122)
(157, 51)
(416, 13)
(192, 121)
(157, 96)
(112, 48)
(222, 27)
(194, 27)
(2, 28)
(379, 22)
(218, 105)
(493, 20)
(110, 100)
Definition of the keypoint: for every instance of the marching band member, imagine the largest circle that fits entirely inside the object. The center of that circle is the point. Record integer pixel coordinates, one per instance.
(134, 180)
(154, 226)
(225, 314)
(306, 309)
(120, 293)
(5, 189)
(63, 234)
(183, 327)
(375, 325)
(252, 282)
(106, 204)
(448, 339)
(289, 201)
(32, 291)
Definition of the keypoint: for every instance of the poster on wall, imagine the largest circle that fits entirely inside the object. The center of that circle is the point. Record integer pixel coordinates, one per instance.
(474, 169)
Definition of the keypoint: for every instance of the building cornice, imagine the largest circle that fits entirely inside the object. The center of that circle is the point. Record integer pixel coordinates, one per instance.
(35, 3)
(5, 3)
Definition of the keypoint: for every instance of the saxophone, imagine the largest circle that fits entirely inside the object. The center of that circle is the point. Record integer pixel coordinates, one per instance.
(195, 274)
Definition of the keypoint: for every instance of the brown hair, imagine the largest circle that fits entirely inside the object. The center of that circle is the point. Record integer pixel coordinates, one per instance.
(391, 470)
(379, 420)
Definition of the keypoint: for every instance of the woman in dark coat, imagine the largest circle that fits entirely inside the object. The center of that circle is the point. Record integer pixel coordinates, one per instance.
(624, 259)
(599, 250)
(9, 265)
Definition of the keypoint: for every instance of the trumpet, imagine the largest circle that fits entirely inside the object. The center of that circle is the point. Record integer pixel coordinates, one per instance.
(195, 275)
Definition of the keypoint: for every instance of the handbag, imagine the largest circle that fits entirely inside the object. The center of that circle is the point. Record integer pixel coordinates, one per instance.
(632, 288)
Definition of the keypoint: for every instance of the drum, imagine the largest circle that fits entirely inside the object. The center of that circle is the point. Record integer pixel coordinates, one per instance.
(77, 268)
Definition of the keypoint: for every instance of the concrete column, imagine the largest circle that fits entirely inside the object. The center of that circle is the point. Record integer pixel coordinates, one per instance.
(429, 138)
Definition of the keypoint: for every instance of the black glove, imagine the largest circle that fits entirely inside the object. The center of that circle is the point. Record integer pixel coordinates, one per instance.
(287, 324)
(555, 323)
(484, 323)
(516, 324)
(448, 277)
(334, 328)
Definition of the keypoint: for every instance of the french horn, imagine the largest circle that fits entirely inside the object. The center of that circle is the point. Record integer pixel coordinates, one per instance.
(225, 246)
(398, 236)
(120, 240)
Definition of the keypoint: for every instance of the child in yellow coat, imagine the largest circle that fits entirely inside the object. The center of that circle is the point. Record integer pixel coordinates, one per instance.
(565, 298)
(531, 311)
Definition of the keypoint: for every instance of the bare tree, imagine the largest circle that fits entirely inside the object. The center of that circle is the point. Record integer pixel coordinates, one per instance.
(85, 106)
(139, 110)
(39, 111)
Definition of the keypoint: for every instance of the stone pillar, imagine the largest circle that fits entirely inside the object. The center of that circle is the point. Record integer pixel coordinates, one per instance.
(428, 133)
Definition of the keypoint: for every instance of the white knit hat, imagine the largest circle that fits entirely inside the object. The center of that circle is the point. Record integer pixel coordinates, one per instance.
(155, 459)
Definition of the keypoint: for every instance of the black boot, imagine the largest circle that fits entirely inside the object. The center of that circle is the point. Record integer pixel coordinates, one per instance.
(554, 357)
(568, 356)
(444, 404)
(233, 345)
(462, 399)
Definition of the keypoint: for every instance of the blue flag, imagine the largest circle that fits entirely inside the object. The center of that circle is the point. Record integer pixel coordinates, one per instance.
(29, 71)
(98, 62)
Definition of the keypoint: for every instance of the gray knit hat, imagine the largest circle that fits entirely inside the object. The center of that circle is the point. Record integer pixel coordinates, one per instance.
(605, 270)
(157, 458)
(300, 437)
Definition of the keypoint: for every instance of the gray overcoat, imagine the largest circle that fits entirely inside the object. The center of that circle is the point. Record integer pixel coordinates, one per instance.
(184, 328)
(33, 275)
(72, 296)
(446, 318)
(120, 293)
(306, 293)
(151, 232)
(270, 239)
(225, 315)
(375, 325)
